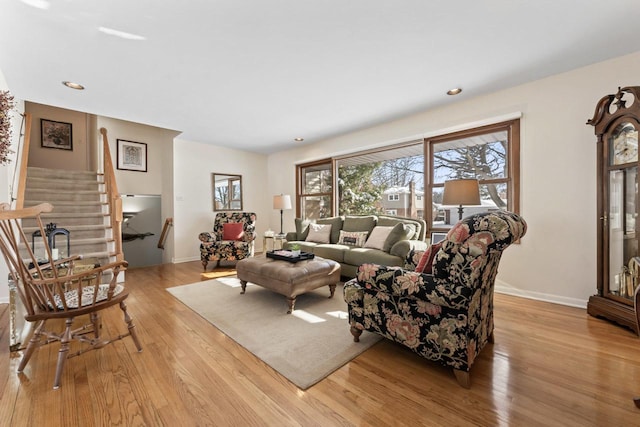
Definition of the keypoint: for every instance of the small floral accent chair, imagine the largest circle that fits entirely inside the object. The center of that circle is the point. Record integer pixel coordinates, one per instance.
(213, 247)
(447, 315)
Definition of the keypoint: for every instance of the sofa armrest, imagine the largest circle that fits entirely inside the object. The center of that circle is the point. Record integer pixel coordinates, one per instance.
(403, 247)
(207, 237)
(398, 282)
(291, 236)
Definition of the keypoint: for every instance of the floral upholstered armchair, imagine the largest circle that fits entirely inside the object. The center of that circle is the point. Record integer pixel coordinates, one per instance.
(232, 238)
(444, 313)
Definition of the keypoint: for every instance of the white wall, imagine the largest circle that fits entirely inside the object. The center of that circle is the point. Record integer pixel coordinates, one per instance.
(556, 260)
(158, 180)
(194, 164)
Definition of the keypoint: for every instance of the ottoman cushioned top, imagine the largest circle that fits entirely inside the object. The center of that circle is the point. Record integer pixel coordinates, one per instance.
(288, 278)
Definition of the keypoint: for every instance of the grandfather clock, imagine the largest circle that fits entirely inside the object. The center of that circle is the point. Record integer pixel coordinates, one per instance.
(616, 121)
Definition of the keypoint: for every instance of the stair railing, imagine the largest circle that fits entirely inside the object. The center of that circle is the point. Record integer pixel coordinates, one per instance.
(113, 197)
(24, 160)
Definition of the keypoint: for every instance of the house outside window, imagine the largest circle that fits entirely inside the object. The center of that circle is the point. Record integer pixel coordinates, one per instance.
(393, 197)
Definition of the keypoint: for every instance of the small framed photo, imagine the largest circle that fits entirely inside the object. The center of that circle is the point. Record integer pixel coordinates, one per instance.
(437, 237)
(132, 156)
(56, 134)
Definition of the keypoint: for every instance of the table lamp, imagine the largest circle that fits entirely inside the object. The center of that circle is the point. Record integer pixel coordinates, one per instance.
(282, 202)
(461, 192)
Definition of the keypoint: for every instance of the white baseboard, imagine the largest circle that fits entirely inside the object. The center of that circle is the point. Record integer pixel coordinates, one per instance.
(185, 259)
(504, 288)
(4, 300)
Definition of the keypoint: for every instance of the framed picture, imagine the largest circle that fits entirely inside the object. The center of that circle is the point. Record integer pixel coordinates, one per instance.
(56, 134)
(132, 156)
(437, 237)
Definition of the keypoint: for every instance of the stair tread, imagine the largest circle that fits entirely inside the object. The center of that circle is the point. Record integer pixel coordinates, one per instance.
(56, 186)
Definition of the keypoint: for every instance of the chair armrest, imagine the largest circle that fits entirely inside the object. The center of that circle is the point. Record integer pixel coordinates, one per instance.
(398, 282)
(250, 236)
(207, 237)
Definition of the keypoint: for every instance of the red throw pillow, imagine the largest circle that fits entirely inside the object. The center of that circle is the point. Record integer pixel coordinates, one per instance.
(232, 231)
(424, 265)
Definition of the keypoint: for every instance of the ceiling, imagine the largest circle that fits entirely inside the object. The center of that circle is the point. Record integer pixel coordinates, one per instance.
(254, 75)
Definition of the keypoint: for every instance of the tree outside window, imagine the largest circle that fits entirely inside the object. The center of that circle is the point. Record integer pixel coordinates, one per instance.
(490, 155)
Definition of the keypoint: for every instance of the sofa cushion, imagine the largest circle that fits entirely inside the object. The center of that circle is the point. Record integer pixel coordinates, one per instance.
(359, 256)
(400, 231)
(319, 233)
(389, 221)
(233, 231)
(359, 223)
(352, 238)
(377, 238)
(331, 251)
(336, 226)
(302, 228)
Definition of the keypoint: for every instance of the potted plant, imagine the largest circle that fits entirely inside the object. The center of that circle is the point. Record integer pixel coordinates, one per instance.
(295, 249)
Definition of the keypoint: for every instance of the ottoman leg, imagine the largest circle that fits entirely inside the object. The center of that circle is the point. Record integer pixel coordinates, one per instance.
(243, 285)
(292, 302)
(332, 290)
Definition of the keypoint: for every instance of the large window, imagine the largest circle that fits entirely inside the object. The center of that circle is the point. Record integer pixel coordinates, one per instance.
(382, 181)
(490, 154)
(315, 190)
(408, 179)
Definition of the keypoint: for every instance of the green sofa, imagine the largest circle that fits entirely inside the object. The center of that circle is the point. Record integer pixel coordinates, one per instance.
(406, 234)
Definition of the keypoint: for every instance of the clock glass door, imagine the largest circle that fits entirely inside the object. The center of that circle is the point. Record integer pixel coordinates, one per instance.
(623, 208)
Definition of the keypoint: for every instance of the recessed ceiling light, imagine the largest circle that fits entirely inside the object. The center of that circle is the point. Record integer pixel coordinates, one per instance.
(454, 91)
(298, 139)
(73, 85)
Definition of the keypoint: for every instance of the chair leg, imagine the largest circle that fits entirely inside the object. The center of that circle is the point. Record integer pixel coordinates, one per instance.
(130, 325)
(34, 342)
(204, 264)
(356, 333)
(97, 323)
(62, 353)
(463, 378)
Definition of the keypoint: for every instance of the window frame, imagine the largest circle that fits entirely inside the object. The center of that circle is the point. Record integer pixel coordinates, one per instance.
(512, 127)
(299, 185)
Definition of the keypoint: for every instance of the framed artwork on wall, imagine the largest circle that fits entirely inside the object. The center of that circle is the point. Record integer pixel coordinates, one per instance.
(56, 134)
(132, 156)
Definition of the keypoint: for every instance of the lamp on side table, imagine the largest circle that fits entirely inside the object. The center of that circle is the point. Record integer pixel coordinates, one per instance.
(281, 202)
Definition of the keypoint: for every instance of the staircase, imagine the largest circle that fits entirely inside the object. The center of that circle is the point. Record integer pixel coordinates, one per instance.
(79, 205)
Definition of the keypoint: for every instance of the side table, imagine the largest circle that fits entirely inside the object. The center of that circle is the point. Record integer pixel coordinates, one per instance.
(276, 242)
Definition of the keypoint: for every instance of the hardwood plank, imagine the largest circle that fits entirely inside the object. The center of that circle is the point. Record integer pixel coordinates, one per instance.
(550, 365)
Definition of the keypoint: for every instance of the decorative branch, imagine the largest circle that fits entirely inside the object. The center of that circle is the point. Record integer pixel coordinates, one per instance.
(7, 103)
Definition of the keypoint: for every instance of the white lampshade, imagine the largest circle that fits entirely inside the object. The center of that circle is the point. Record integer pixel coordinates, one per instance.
(461, 192)
(282, 202)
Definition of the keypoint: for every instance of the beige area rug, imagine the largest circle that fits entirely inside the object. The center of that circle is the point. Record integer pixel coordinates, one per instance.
(305, 346)
(218, 272)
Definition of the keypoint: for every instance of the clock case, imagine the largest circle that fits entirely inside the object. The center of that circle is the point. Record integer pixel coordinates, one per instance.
(616, 122)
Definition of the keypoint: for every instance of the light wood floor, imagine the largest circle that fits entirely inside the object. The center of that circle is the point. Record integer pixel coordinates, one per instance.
(550, 365)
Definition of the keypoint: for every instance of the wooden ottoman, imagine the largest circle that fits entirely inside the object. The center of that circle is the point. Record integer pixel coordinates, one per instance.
(288, 278)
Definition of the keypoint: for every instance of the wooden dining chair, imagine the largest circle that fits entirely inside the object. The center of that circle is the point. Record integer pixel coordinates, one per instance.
(53, 291)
